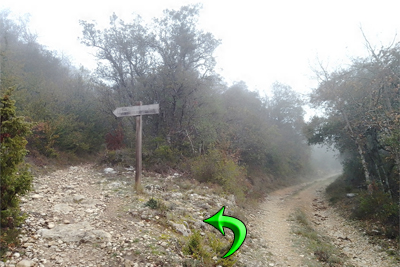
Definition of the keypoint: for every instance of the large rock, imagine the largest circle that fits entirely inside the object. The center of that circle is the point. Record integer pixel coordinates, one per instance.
(25, 263)
(78, 198)
(95, 236)
(181, 229)
(109, 170)
(62, 208)
(75, 232)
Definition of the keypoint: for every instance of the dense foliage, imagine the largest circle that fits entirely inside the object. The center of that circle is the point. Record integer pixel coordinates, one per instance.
(170, 62)
(59, 98)
(362, 120)
(15, 179)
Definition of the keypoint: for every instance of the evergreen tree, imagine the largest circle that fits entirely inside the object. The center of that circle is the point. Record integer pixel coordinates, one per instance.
(15, 177)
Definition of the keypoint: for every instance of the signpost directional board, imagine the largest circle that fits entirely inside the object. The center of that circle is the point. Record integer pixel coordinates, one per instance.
(137, 111)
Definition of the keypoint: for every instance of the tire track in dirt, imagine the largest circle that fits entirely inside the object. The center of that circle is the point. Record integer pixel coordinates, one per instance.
(276, 228)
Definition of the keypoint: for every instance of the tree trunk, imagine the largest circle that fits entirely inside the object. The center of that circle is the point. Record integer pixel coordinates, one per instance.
(359, 149)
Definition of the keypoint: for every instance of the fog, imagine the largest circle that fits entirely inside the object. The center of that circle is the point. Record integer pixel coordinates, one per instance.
(325, 160)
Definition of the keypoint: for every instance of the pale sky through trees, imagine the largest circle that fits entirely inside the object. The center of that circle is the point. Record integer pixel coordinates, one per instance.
(262, 41)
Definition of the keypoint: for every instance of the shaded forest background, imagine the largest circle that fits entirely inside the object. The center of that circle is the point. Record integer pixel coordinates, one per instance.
(217, 133)
(169, 62)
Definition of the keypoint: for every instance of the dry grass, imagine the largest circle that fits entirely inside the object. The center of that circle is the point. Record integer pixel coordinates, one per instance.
(317, 244)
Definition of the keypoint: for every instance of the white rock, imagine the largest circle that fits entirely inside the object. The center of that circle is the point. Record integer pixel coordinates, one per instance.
(78, 198)
(62, 208)
(73, 168)
(25, 263)
(176, 195)
(109, 170)
(36, 196)
(181, 229)
(66, 232)
(25, 245)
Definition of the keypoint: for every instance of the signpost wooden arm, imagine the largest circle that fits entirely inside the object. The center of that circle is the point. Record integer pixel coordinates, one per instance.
(137, 111)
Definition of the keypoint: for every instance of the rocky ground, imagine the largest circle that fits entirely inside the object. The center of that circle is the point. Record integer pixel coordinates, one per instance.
(87, 216)
(83, 216)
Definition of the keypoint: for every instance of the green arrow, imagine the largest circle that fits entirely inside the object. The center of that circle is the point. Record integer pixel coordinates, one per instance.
(237, 226)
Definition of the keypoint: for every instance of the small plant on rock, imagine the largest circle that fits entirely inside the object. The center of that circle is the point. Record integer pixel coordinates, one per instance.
(205, 248)
(152, 204)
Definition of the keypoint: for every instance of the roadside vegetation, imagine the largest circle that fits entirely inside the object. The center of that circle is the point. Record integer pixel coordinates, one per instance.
(15, 178)
(208, 250)
(376, 214)
(361, 121)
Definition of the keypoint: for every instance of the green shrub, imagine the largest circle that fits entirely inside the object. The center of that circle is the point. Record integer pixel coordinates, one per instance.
(194, 246)
(43, 139)
(204, 248)
(337, 190)
(164, 153)
(152, 204)
(15, 178)
(379, 206)
(219, 168)
(160, 157)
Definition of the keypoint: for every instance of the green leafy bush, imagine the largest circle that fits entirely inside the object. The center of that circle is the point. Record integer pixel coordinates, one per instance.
(193, 246)
(43, 139)
(204, 248)
(338, 189)
(152, 204)
(160, 157)
(15, 178)
(219, 168)
(379, 206)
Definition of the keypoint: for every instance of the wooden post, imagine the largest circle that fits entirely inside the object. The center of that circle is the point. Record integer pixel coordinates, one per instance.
(138, 175)
(137, 111)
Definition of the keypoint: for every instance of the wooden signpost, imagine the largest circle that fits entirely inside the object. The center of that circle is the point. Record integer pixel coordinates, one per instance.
(137, 111)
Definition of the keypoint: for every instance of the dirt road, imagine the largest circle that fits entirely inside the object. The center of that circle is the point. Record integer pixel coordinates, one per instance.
(276, 229)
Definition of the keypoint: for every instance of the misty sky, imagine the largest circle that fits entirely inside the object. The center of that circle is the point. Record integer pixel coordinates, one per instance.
(262, 41)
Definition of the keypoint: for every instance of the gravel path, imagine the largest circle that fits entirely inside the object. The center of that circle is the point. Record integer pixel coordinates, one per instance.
(275, 228)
